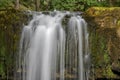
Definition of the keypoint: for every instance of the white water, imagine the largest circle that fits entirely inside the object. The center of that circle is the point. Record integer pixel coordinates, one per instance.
(45, 44)
(78, 32)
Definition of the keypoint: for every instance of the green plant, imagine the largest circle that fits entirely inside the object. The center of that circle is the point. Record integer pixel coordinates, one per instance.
(107, 72)
(6, 3)
(2, 72)
(72, 5)
(2, 55)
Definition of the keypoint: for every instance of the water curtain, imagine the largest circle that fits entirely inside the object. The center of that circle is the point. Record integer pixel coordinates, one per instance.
(54, 46)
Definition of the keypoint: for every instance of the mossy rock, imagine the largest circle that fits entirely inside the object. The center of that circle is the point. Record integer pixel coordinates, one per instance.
(100, 11)
(105, 17)
(10, 29)
(104, 28)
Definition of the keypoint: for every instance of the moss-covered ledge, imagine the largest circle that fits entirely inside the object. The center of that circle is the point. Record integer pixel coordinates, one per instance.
(104, 28)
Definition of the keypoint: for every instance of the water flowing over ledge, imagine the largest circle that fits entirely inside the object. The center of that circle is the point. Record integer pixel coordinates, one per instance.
(51, 49)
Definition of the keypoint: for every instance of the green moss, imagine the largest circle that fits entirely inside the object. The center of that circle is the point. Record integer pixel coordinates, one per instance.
(118, 23)
(105, 8)
(10, 30)
(104, 42)
(108, 72)
(98, 11)
(99, 50)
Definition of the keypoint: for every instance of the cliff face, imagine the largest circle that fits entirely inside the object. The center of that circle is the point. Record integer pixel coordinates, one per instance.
(104, 28)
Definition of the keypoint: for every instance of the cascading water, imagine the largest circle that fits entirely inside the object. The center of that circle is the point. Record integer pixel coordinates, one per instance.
(51, 51)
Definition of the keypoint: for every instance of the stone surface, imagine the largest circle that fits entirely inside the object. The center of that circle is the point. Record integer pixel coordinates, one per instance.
(104, 28)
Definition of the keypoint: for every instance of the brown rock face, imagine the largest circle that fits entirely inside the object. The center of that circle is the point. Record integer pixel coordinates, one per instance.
(104, 28)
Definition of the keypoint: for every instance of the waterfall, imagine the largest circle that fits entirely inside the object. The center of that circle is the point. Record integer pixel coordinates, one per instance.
(52, 50)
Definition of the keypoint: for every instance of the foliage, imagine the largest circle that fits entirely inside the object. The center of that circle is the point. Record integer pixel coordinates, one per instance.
(2, 55)
(75, 5)
(6, 3)
(72, 5)
(27, 3)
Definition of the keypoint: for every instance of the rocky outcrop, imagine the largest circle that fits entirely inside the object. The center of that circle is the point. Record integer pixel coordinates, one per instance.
(104, 28)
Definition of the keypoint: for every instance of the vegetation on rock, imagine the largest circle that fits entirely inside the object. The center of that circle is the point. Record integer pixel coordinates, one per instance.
(10, 30)
(104, 40)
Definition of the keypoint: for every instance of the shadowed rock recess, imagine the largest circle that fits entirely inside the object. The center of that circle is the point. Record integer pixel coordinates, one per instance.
(104, 37)
(104, 33)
